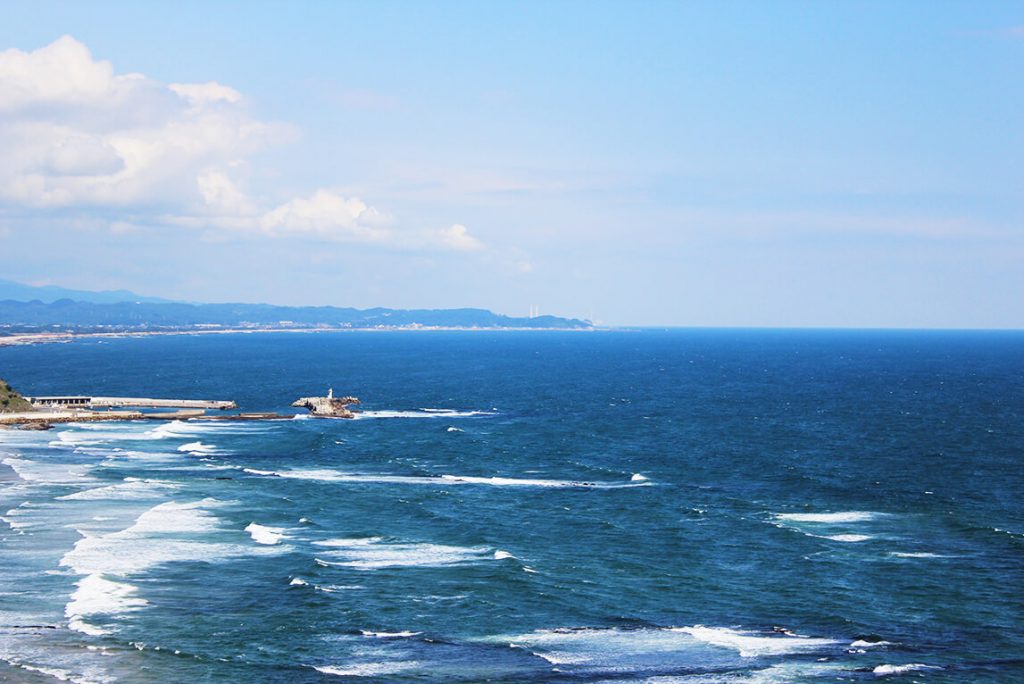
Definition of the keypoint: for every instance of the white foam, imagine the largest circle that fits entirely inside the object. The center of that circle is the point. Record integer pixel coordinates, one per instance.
(198, 448)
(373, 553)
(265, 535)
(160, 535)
(616, 648)
(752, 644)
(129, 490)
(830, 518)
(850, 538)
(422, 413)
(298, 582)
(48, 473)
(860, 643)
(452, 428)
(637, 477)
(368, 669)
(325, 475)
(919, 554)
(502, 555)
(389, 635)
(899, 669)
(99, 596)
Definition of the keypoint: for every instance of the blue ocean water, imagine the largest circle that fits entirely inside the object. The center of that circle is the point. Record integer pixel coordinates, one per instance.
(657, 506)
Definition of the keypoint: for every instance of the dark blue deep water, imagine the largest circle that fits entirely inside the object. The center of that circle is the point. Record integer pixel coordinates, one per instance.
(660, 506)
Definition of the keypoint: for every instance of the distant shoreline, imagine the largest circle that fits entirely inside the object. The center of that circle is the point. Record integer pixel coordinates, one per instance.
(21, 339)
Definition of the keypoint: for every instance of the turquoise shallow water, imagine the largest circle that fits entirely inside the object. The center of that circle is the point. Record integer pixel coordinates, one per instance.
(681, 506)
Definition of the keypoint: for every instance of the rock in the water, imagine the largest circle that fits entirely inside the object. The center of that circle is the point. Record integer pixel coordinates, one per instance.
(329, 406)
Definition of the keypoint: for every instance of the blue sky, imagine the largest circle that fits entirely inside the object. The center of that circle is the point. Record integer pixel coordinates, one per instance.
(779, 164)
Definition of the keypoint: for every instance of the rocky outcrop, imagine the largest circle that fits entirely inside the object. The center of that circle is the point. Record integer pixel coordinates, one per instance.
(329, 406)
(11, 401)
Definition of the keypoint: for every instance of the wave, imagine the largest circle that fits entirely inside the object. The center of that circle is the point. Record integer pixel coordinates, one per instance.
(368, 669)
(422, 413)
(90, 434)
(389, 635)
(131, 489)
(849, 538)
(611, 649)
(917, 554)
(900, 669)
(160, 535)
(49, 473)
(752, 644)
(96, 595)
(830, 518)
(198, 448)
(324, 475)
(265, 535)
(373, 553)
(863, 643)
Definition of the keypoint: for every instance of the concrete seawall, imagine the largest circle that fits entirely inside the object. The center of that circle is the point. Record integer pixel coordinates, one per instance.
(136, 402)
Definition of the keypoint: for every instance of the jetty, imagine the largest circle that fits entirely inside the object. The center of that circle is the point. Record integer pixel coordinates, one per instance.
(87, 402)
(40, 412)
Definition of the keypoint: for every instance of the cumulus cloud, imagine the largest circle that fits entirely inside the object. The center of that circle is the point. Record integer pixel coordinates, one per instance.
(328, 214)
(76, 135)
(457, 237)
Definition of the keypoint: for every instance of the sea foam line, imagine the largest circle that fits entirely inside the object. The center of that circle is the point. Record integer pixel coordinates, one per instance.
(326, 475)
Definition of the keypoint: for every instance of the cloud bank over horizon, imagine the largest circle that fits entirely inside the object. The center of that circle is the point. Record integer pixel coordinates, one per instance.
(80, 139)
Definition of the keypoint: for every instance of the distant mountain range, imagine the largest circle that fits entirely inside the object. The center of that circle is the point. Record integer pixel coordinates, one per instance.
(51, 293)
(24, 308)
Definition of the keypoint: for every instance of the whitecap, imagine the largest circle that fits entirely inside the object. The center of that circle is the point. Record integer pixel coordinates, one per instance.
(900, 669)
(38, 472)
(614, 649)
(389, 635)
(159, 535)
(829, 518)
(751, 644)
(502, 555)
(265, 535)
(374, 554)
(850, 538)
(917, 554)
(129, 490)
(198, 448)
(637, 477)
(327, 475)
(97, 595)
(422, 413)
(368, 669)
(861, 643)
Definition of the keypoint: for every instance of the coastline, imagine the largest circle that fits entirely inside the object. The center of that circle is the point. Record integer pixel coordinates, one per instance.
(19, 339)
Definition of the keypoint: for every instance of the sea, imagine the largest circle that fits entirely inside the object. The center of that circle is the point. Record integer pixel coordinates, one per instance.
(663, 506)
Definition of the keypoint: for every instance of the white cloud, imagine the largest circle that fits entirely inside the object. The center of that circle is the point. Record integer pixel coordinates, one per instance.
(457, 237)
(329, 215)
(204, 93)
(75, 135)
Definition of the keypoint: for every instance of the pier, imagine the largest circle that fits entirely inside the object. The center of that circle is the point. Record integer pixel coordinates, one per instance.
(87, 402)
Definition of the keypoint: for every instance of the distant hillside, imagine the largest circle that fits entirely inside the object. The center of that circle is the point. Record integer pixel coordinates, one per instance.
(10, 400)
(51, 293)
(66, 314)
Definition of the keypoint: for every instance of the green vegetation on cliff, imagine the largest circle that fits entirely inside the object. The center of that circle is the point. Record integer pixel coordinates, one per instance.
(11, 401)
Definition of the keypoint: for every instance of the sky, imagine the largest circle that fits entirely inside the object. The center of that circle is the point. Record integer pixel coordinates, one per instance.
(833, 164)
